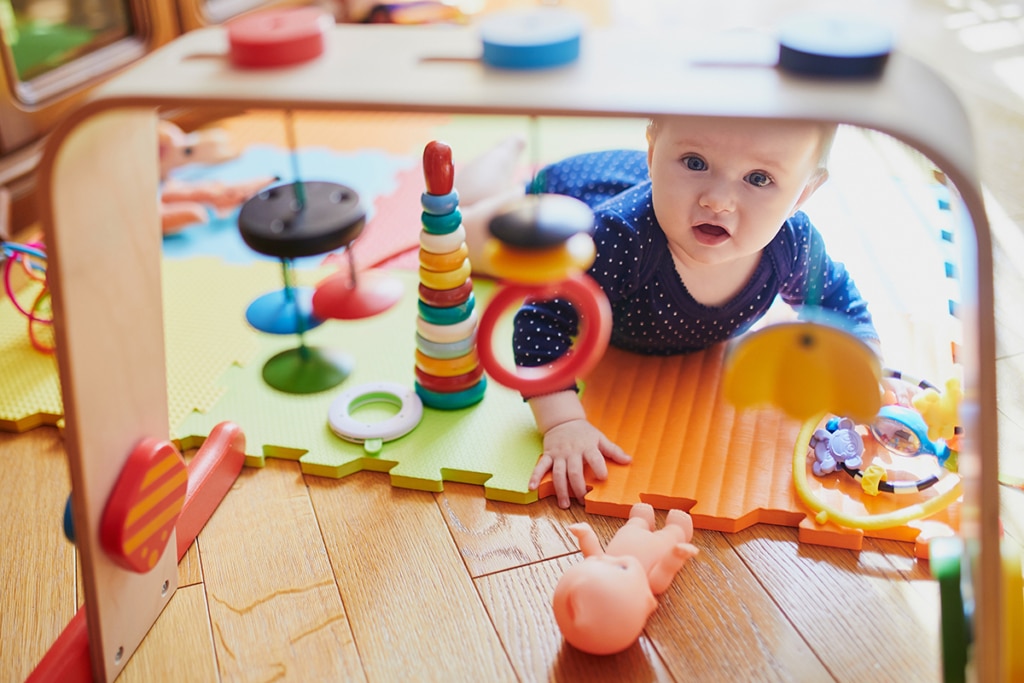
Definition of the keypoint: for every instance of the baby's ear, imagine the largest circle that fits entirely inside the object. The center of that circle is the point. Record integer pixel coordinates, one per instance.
(816, 180)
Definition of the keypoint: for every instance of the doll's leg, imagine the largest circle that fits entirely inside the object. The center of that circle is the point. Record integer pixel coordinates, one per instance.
(643, 511)
(682, 520)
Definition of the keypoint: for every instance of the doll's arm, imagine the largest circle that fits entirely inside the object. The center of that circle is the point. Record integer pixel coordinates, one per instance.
(664, 570)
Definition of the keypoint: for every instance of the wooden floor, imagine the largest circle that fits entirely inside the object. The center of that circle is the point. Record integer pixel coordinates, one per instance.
(310, 579)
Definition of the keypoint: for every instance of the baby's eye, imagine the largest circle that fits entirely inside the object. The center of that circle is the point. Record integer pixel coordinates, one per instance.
(758, 179)
(694, 163)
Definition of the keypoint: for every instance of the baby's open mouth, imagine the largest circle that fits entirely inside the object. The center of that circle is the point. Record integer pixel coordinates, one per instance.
(708, 233)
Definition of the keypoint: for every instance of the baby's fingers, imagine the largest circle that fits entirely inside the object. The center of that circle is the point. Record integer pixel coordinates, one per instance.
(542, 468)
(614, 452)
(577, 475)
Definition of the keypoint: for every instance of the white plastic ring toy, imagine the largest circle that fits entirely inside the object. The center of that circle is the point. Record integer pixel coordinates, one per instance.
(447, 334)
(342, 423)
(442, 244)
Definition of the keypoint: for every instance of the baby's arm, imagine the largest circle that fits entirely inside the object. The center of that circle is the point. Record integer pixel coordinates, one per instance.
(570, 442)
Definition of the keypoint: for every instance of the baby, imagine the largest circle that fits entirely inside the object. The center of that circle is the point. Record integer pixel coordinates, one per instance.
(695, 240)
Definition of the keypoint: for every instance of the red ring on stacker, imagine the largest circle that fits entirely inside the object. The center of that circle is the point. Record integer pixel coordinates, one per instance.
(595, 329)
(449, 385)
(278, 37)
(445, 298)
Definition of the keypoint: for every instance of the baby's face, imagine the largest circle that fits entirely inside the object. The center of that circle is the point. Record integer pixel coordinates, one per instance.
(722, 188)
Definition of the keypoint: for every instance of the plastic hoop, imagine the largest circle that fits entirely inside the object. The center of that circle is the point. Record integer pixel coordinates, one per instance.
(342, 423)
(825, 513)
(595, 317)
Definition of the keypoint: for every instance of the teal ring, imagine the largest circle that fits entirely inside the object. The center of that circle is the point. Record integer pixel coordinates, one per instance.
(440, 204)
(448, 315)
(445, 351)
(454, 400)
(441, 224)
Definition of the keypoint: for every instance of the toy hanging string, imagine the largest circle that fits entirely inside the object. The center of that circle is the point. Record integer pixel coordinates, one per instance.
(32, 260)
(286, 263)
(534, 143)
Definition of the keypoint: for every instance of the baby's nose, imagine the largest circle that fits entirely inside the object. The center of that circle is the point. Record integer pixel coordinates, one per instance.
(717, 198)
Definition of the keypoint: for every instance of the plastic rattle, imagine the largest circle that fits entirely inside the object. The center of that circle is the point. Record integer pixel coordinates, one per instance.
(541, 248)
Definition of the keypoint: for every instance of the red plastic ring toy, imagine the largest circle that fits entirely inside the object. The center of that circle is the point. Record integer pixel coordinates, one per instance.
(448, 385)
(443, 298)
(278, 37)
(595, 316)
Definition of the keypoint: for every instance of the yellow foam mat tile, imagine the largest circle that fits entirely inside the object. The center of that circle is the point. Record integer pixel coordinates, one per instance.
(205, 328)
(204, 334)
(29, 386)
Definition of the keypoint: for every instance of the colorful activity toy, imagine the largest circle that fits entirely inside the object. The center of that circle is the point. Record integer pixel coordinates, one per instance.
(541, 248)
(449, 375)
(30, 260)
(294, 220)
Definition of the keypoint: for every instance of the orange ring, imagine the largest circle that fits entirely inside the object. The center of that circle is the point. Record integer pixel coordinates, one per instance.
(447, 367)
(443, 263)
(595, 329)
(448, 280)
(539, 266)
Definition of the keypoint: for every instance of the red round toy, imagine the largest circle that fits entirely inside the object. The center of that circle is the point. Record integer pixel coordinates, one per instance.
(595, 329)
(438, 171)
(279, 37)
(444, 298)
(448, 385)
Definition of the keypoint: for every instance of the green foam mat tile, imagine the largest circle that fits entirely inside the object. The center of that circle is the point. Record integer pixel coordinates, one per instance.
(494, 443)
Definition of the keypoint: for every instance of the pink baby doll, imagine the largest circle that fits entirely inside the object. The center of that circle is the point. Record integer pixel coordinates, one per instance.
(184, 203)
(602, 603)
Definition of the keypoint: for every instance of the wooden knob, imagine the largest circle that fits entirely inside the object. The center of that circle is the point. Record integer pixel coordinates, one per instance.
(438, 170)
(278, 37)
(144, 505)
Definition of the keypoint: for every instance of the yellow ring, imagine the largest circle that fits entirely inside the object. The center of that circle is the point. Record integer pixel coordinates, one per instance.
(444, 263)
(447, 367)
(540, 266)
(448, 280)
(447, 334)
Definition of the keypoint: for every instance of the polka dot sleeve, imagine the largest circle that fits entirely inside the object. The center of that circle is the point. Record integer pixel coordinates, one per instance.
(814, 279)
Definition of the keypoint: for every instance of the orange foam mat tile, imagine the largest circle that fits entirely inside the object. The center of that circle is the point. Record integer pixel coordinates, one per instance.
(395, 133)
(730, 469)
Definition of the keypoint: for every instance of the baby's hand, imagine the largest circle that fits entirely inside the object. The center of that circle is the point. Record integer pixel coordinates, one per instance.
(896, 391)
(567, 448)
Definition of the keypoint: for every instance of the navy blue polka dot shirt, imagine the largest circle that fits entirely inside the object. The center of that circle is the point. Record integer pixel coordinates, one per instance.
(653, 313)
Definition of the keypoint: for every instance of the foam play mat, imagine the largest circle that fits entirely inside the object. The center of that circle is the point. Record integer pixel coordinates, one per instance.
(691, 449)
(493, 443)
(729, 468)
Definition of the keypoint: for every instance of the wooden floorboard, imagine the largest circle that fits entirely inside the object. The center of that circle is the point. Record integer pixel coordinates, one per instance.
(275, 608)
(412, 605)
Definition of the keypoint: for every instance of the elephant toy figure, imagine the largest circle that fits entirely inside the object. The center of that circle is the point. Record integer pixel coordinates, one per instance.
(602, 604)
(838, 444)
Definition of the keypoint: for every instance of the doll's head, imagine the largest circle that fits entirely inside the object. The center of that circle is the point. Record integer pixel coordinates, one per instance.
(602, 603)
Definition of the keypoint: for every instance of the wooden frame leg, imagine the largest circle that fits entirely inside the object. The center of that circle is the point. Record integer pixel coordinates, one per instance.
(211, 473)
